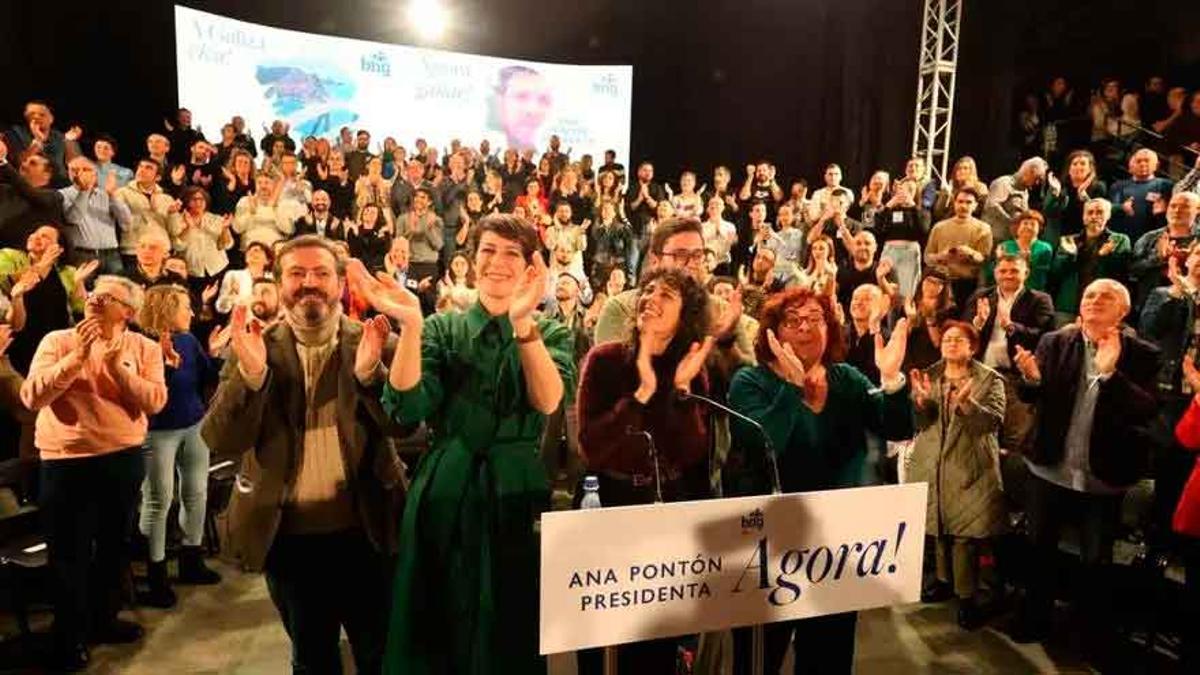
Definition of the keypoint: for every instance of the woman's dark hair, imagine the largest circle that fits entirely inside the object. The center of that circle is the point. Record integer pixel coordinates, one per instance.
(772, 314)
(1075, 154)
(1030, 214)
(267, 251)
(945, 307)
(967, 329)
(112, 142)
(693, 312)
(193, 190)
(510, 227)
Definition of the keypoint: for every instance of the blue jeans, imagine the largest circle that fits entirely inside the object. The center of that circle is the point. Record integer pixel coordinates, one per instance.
(172, 450)
(906, 260)
(110, 260)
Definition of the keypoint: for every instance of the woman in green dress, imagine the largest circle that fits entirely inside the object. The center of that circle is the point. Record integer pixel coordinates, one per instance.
(466, 588)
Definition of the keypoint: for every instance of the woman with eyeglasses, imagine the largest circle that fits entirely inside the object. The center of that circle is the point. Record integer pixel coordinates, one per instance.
(959, 405)
(630, 388)
(815, 408)
(202, 237)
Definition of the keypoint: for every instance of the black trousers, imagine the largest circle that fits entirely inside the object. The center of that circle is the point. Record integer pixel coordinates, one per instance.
(88, 505)
(824, 645)
(1191, 606)
(1049, 508)
(321, 583)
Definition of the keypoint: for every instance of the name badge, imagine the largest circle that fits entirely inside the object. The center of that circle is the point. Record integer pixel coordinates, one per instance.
(897, 217)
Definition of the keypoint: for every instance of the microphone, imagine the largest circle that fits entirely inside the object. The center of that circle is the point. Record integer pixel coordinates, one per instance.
(658, 498)
(769, 449)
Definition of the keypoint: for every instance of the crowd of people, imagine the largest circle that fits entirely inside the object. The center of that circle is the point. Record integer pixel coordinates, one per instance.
(1111, 119)
(302, 305)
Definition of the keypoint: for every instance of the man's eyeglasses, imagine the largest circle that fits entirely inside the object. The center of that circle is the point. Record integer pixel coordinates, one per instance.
(684, 257)
(103, 299)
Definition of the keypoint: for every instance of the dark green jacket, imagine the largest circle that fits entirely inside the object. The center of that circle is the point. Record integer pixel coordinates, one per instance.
(816, 451)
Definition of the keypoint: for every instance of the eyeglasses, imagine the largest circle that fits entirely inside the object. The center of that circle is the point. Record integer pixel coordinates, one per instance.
(795, 322)
(955, 340)
(684, 257)
(103, 299)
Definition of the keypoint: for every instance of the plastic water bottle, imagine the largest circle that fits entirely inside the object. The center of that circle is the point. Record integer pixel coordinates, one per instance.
(591, 493)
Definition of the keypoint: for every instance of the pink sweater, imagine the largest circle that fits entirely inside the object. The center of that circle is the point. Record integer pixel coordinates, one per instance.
(82, 408)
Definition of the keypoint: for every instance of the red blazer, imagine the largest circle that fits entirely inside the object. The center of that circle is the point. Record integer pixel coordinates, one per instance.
(1187, 513)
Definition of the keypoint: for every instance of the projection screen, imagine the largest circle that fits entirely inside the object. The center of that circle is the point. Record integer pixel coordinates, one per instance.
(320, 83)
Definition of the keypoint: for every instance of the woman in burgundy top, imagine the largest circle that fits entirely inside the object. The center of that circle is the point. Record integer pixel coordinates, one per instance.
(627, 388)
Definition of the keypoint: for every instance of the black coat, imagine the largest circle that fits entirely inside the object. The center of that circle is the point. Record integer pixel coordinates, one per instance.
(1124, 412)
(24, 208)
(1032, 317)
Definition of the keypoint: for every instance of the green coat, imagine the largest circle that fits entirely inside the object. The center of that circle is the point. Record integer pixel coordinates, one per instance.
(1040, 256)
(466, 590)
(959, 457)
(816, 451)
(1065, 270)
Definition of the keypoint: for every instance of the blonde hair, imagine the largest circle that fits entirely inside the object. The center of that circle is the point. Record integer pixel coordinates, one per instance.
(160, 307)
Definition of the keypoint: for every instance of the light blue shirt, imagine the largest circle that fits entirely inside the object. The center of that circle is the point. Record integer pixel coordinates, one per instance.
(1075, 472)
(93, 217)
(124, 175)
(788, 246)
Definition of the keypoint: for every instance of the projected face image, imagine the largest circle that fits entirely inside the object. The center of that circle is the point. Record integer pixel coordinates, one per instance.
(523, 101)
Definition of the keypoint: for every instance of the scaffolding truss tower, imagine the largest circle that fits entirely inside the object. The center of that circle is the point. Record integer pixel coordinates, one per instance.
(935, 84)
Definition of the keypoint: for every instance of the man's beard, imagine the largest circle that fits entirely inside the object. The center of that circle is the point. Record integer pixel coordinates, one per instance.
(309, 313)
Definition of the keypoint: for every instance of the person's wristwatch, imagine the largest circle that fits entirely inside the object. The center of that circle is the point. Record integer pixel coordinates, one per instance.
(532, 336)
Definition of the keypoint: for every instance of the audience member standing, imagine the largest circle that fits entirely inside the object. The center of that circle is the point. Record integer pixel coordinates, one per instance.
(93, 387)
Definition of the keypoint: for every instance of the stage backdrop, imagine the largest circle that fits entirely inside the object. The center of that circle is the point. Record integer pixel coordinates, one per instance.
(320, 83)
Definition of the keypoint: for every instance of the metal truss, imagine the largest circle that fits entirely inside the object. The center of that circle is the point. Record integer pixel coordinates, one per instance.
(935, 84)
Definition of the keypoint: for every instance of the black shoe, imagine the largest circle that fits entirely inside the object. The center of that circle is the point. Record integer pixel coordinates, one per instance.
(970, 615)
(71, 659)
(160, 594)
(938, 591)
(117, 632)
(192, 569)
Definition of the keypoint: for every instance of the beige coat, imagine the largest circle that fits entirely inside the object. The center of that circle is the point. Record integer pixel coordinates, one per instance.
(959, 457)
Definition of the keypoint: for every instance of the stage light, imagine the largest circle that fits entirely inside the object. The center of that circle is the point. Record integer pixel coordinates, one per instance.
(428, 18)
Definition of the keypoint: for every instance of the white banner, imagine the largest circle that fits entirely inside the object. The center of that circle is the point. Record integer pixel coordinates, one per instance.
(319, 83)
(616, 575)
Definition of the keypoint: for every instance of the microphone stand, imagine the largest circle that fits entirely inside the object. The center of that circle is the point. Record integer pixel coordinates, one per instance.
(610, 652)
(653, 453)
(758, 641)
(768, 447)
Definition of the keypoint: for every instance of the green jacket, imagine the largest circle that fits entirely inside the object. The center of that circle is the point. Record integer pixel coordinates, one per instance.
(1041, 256)
(1067, 278)
(815, 450)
